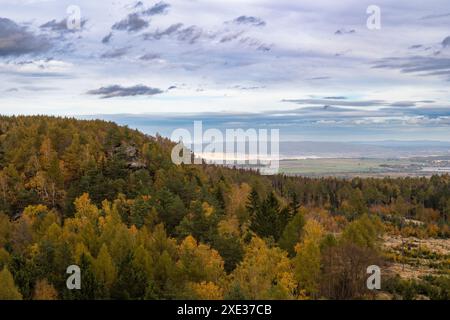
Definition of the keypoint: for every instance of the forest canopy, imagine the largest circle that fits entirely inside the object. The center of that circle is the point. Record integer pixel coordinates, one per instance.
(109, 199)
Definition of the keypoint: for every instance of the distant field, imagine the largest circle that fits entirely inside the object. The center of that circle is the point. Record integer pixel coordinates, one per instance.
(360, 167)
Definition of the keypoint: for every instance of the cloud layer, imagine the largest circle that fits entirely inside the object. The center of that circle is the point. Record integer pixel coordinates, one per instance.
(119, 91)
(315, 67)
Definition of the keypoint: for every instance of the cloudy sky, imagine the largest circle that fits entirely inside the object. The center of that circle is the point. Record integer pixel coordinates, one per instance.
(313, 67)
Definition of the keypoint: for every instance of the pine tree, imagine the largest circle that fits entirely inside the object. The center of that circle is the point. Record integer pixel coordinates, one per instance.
(292, 232)
(265, 219)
(295, 204)
(253, 204)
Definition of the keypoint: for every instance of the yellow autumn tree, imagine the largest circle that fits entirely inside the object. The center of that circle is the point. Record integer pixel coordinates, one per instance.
(104, 269)
(46, 153)
(85, 208)
(41, 218)
(5, 229)
(307, 259)
(364, 231)
(265, 273)
(206, 291)
(85, 223)
(142, 261)
(238, 198)
(44, 291)
(8, 289)
(198, 262)
(80, 251)
(229, 227)
(108, 223)
(121, 243)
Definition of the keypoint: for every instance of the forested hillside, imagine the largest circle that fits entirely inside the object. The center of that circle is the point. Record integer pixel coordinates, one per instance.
(110, 200)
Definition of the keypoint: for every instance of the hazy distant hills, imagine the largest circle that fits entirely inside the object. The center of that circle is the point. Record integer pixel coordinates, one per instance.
(377, 149)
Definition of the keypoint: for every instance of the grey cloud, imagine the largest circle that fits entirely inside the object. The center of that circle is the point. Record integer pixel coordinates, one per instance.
(436, 16)
(240, 87)
(39, 88)
(427, 66)
(446, 42)
(135, 21)
(416, 46)
(403, 104)
(149, 56)
(252, 42)
(327, 108)
(426, 101)
(249, 20)
(156, 35)
(344, 31)
(231, 36)
(139, 4)
(61, 26)
(263, 48)
(336, 98)
(16, 40)
(159, 8)
(107, 38)
(439, 73)
(189, 34)
(342, 53)
(117, 53)
(132, 23)
(31, 62)
(319, 78)
(193, 33)
(119, 91)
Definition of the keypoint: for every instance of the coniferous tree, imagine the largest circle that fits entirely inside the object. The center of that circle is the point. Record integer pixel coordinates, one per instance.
(292, 233)
(265, 219)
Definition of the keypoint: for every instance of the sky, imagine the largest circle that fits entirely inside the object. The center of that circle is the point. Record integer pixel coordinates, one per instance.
(314, 69)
